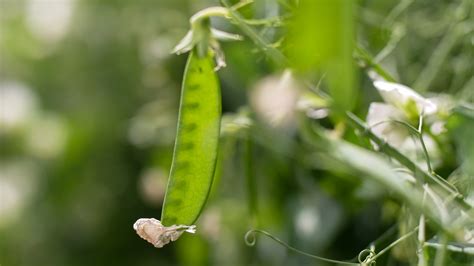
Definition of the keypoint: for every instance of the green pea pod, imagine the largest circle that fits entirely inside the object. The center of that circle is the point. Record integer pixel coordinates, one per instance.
(195, 150)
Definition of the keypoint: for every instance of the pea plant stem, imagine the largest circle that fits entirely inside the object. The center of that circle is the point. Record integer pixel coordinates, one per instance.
(368, 62)
(402, 159)
(271, 51)
(422, 237)
(441, 252)
(250, 179)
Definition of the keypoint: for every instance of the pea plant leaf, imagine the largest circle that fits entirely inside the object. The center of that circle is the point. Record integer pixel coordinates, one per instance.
(327, 49)
(196, 145)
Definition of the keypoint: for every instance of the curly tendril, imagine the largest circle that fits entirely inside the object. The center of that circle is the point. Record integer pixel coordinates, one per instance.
(365, 256)
(251, 240)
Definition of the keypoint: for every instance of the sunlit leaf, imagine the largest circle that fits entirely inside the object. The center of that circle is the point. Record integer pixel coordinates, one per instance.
(321, 37)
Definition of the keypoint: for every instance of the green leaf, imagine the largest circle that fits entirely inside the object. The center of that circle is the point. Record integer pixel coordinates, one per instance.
(371, 165)
(368, 164)
(196, 145)
(321, 37)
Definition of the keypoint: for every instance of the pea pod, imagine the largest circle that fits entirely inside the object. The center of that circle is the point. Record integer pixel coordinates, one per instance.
(195, 150)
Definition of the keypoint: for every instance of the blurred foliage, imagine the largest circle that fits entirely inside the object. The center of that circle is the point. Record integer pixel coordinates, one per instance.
(89, 100)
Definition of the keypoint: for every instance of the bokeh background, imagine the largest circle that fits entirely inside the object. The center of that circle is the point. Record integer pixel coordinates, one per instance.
(89, 97)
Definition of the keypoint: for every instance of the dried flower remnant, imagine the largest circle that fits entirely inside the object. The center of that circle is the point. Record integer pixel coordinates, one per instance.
(203, 37)
(159, 235)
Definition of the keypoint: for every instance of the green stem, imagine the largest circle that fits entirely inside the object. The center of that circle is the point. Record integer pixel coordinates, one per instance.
(385, 237)
(397, 34)
(402, 159)
(271, 22)
(250, 179)
(414, 131)
(396, 11)
(272, 52)
(241, 4)
(441, 253)
(422, 237)
(369, 62)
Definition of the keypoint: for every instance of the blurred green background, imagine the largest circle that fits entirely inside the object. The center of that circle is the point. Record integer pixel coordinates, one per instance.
(89, 100)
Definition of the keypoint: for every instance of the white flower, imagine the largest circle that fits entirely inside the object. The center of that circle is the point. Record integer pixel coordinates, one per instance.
(307, 221)
(444, 104)
(404, 105)
(18, 183)
(48, 20)
(159, 235)
(274, 99)
(47, 136)
(17, 105)
(377, 119)
(404, 98)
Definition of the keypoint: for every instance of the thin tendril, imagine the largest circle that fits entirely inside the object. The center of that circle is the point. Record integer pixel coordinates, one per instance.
(422, 141)
(394, 243)
(273, 53)
(250, 240)
(368, 258)
(417, 132)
